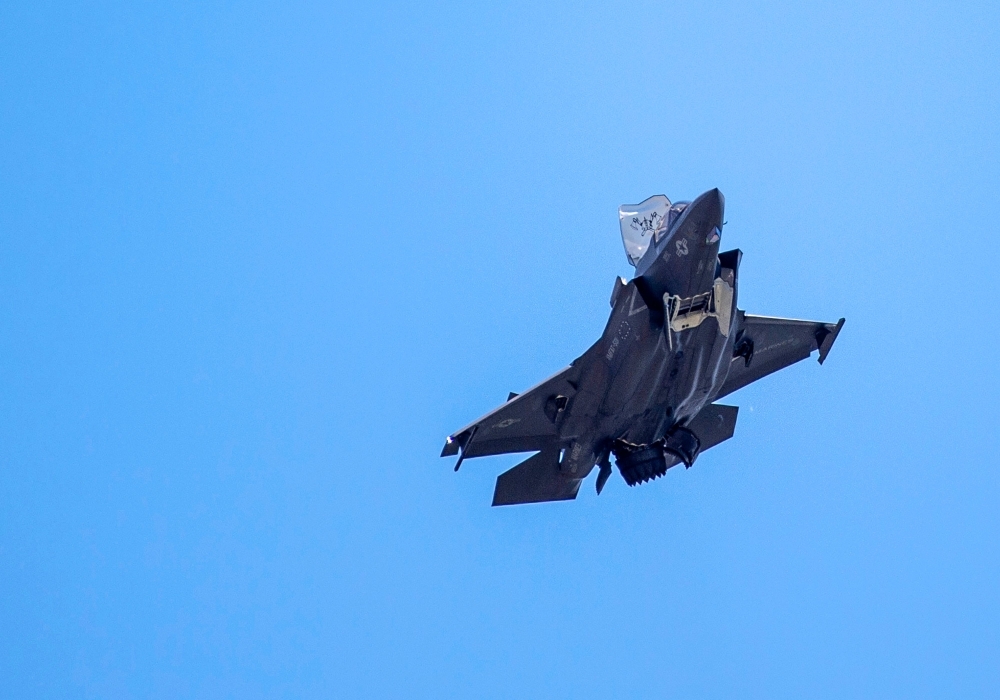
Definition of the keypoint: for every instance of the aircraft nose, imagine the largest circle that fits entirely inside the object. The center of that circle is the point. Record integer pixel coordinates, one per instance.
(707, 210)
(711, 204)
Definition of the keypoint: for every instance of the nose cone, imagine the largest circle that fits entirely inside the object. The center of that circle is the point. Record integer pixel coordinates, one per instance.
(701, 223)
(709, 207)
(683, 263)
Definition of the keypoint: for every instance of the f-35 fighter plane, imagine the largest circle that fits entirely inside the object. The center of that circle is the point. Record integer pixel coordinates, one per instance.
(644, 392)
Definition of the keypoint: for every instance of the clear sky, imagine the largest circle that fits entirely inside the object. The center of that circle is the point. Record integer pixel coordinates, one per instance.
(257, 260)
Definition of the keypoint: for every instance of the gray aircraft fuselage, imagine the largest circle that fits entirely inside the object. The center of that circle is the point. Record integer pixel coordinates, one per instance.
(654, 378)
(643, 392)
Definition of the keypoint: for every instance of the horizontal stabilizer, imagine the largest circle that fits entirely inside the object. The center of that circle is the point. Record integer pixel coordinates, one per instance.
(535, 480)
(714, 424)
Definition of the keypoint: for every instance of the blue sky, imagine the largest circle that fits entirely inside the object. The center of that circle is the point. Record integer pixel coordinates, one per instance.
(258, 259)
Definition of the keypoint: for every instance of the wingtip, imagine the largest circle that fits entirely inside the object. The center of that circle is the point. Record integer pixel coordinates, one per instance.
(450, 448)
(829, 336)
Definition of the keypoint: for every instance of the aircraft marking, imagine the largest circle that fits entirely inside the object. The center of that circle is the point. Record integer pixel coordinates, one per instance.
(611, 350)
(774, 346)
(506, 422)
(632, 310)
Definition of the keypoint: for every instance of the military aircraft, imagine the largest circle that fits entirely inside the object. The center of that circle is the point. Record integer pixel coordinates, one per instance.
(645, 392)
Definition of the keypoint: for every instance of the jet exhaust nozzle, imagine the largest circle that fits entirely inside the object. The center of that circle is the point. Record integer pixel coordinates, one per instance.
(684, 445)
(640, 463)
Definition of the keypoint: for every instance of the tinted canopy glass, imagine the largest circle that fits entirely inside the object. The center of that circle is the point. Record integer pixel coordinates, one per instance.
(643, 223)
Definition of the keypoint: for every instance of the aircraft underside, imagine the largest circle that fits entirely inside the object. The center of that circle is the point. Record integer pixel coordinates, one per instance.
(644, 393)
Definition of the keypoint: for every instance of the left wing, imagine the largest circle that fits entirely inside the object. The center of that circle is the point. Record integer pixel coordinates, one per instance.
(765, 344)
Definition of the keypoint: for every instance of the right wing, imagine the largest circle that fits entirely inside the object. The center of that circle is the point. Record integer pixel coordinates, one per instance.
(524, 424)
(765, 344)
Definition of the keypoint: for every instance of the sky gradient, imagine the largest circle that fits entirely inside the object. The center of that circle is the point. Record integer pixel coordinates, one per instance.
(258, 259)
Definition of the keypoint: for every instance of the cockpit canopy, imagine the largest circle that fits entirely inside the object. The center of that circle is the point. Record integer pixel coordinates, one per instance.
(646, 222)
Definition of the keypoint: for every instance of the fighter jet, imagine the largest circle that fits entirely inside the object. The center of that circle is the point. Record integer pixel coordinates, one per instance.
(645, 392)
